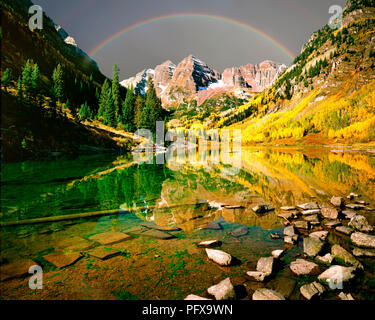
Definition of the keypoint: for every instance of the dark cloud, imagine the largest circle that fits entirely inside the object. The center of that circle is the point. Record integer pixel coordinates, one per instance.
(219, 43)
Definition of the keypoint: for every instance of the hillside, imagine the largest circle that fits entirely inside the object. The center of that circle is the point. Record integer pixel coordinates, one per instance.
(36, 121)
(327, 95)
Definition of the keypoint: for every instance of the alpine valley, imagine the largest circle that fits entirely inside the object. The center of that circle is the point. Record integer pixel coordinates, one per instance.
(284, 213)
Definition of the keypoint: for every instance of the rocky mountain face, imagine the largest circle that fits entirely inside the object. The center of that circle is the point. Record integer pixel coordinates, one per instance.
(193, 78)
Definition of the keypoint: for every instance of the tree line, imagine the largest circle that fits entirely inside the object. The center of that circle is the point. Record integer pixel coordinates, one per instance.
(109, 105)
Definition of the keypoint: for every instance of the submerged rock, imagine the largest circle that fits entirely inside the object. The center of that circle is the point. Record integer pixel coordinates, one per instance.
(61, 260)
(16, 269)
(312, 246)
(360, 223)
(224, 290)
(103, 253)
(213, 225)
(220, 257)
(340, 254)
(304, 267)
(335, 276)
(267, 294)
(363, 240)
(239, 232)
(110, 237)
(312, 290)
(265, 265)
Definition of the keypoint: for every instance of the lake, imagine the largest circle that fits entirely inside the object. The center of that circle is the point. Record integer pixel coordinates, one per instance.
(166, 209)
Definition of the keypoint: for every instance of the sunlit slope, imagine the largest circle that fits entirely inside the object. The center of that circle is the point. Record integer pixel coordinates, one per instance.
(327, 95)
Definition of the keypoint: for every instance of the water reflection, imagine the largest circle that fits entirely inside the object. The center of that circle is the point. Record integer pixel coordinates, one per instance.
(169, 193)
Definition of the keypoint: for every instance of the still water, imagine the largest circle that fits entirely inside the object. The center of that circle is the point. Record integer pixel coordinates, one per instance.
(186, 199)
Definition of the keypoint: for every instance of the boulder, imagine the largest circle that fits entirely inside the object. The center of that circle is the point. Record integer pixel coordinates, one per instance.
(340, 254)
(301, 225)
(291, 239)
(336, 276)
(321, 235)
(220, 257)
(263, 208)
(312, 246)
(343, 229)
(303, 267)
(103, 253)
(326, 259)
(265, 265)
(209, 244)
(363, 240)
(348, 214)
(308, 206)
(311, 290)
(333, 224)
(16, 269)
(345, 296)
(213, 225)
(194, 297)
(239, 232)
(277, 253)
(289, 231)
(256, 275)
(338, 201)
(110, 237)
(360, 223)
(224, 290)
(61, 260)
(267, 294)
(288, 208)
(330, 213)
(358, 252)
(312, 219)
(352, 195)
(309, 212)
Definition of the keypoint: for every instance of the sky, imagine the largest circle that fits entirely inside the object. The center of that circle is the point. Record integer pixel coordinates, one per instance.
(263, 30)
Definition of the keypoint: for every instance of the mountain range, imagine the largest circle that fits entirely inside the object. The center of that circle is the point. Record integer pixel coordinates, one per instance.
(194, 79)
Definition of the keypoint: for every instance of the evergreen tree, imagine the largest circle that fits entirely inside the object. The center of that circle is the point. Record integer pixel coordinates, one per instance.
(26, 81)
(116, 90)
(110, 111)
(19, 89)
(138, 107)
(127, 117)
(152, 110)
(85, 112)
(58, 83)
(104, 96)
(6, 79)
(35, 82)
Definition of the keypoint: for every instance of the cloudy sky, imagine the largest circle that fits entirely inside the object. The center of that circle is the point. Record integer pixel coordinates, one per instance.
(217, 41)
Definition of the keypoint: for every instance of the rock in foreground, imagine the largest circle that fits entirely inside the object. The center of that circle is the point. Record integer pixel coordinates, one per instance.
(360, 223)
(267, 294)
(363, 240)
(220, 257)
(336, 276)
(303, 267)
(312, 246)
(312, 290)
(224, 290)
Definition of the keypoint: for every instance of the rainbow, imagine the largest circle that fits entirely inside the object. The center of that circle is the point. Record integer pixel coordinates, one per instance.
(137, 25)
